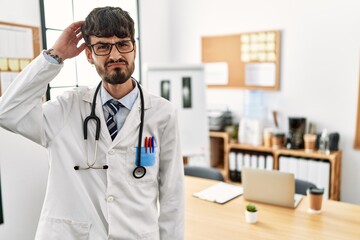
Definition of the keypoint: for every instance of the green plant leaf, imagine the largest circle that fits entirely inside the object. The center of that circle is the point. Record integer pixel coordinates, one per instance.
(251, 207)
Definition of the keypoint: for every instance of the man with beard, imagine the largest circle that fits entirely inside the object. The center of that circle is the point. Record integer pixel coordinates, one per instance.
(99, 189)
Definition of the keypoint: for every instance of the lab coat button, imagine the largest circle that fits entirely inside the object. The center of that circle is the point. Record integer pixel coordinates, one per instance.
(110, 198)
(112, 151)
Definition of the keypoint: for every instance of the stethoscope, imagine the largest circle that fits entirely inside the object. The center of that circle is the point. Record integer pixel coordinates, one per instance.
(139, 170)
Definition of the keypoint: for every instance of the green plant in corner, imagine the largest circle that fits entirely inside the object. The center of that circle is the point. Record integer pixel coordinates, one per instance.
(251, 207)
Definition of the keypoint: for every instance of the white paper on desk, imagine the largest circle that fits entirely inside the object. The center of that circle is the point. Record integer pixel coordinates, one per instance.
(220, 192)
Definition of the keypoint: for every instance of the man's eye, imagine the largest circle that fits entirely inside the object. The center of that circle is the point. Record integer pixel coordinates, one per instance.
(103, 46)
(123, 44)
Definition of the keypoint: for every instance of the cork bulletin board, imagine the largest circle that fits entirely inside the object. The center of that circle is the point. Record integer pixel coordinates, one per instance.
(253, 59)
(19, 44)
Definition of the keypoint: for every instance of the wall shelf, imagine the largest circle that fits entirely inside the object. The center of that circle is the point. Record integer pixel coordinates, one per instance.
(334, 158)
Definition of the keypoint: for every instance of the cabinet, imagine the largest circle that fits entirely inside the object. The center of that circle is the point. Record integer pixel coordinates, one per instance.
(334, 158)
(219, 147)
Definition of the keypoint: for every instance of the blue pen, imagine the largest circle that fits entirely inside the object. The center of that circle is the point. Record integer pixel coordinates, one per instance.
(153, 143)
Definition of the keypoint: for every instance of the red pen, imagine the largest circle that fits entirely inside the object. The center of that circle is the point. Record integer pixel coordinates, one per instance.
(146, 144)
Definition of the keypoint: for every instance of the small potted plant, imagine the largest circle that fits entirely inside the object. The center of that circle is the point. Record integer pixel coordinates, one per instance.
(251, 213)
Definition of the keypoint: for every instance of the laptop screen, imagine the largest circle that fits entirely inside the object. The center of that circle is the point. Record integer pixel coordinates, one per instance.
(271, 187)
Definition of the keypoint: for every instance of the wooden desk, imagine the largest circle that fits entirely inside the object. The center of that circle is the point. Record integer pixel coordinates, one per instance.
(210, 221)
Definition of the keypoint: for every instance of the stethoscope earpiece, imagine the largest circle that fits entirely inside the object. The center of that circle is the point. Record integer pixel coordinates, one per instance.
(90, 167)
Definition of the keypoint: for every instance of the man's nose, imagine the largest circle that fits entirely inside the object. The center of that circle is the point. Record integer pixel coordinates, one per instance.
(114, 52)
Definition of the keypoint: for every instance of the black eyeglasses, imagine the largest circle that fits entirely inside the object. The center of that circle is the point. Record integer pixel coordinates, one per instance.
(104, 49)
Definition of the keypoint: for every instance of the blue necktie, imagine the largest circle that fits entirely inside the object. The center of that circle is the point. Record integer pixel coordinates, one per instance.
(113, 107)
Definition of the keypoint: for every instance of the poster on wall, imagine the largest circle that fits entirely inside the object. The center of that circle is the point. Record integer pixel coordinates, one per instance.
(165, 89)
(186, 92)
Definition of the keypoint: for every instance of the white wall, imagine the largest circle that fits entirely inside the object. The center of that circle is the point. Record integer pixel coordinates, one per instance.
(319, 61)
(23, 164)
(154, 32)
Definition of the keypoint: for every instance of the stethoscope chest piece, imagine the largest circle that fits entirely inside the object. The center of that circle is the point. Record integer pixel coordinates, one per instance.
(139, 172)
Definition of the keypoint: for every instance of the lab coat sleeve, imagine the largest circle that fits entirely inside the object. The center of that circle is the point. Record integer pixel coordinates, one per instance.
(21, 108)
(171, 219)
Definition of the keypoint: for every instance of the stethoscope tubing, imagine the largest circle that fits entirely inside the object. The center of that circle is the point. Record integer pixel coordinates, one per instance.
(139, 170)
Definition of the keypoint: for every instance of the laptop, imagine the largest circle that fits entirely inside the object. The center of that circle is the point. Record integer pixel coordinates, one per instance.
(271, 187)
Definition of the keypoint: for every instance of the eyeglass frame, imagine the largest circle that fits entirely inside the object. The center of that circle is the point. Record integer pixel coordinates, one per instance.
(112, 44)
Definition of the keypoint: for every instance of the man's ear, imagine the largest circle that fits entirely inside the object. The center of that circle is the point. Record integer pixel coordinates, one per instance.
(88, 53)
(135, 46)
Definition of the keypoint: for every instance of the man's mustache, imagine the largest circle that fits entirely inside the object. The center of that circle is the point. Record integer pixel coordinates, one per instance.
(115, 61)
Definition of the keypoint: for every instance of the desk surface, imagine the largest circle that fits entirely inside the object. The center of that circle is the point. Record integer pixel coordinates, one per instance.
(211, 221)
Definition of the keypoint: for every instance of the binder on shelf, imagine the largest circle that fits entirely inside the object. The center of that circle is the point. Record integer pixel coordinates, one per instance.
(292, 166)
(239, 161)
(324, 177)
(254, 161)
(239, 165)
(232, 166)
(303, 169)
(269, 162)
(313, 172)
(283, 164)
(261, 161)
(247, 160)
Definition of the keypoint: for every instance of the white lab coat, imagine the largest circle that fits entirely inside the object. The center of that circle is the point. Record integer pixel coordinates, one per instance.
(98, 204)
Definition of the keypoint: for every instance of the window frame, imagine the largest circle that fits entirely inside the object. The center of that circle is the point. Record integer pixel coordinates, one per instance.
(45, 29)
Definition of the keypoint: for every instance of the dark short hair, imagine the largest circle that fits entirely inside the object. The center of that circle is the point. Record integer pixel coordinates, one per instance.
(108, 22)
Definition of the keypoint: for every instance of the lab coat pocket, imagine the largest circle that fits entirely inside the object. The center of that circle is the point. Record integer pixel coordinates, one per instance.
(149, 160)
(60, 229)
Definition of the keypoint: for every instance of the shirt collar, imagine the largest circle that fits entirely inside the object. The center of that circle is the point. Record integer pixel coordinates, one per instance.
(127, 101)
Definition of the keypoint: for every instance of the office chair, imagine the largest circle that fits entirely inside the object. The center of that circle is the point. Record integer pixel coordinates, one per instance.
(302, 186)
(203, 172)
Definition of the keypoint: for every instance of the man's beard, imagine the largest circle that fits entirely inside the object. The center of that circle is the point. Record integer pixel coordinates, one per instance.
(118, 77)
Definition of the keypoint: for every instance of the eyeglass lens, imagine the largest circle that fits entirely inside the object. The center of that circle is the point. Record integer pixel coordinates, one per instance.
(105, 48)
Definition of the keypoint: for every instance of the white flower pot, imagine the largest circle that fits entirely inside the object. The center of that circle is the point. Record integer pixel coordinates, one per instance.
(250, 217)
